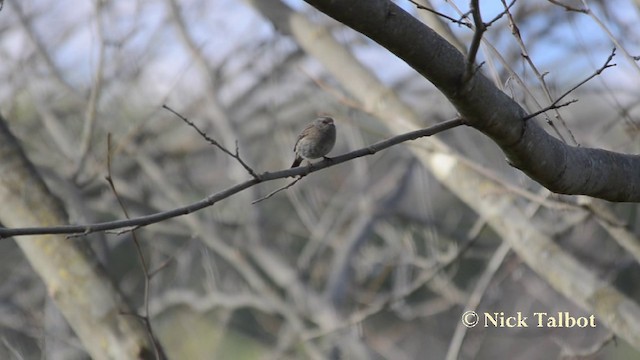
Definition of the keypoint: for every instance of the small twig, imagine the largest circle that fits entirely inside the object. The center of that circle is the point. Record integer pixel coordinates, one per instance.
(123, 230)
(278, 190)
(614, 39)
(569, 8)
(91, 112)
(143, 263)
(540, 75)
(159, 268)
(466, 16)
(213, 142)
(596, 73)
(550, 107)
(503, 13)
(480, 28)
(422, 7)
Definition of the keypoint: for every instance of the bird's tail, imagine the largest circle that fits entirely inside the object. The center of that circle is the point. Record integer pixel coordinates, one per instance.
(297, 162)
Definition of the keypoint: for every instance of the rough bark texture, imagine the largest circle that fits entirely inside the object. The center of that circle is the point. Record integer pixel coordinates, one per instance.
(559, 167)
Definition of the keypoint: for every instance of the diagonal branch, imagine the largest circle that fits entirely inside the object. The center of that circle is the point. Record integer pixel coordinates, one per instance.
(213, 142)
(422, 7)
(555, 165)
(214, 198)
(555, 104)
(157, 348)
(515, 31)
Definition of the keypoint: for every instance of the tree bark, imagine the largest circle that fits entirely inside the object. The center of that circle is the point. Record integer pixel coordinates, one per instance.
(74, 279)
(555, 165)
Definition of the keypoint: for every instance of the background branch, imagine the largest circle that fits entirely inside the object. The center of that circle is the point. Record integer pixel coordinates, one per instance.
(74, 279)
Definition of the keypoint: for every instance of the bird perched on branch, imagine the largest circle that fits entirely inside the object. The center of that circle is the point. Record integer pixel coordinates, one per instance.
(315, 141)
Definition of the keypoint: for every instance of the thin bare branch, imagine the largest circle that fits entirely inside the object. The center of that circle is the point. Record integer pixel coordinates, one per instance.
(277, 190)
(550, 107)
(480, 28)
(554, 105)
(91, 112)
(235, 155)
(422, 7)
(612, 37)
(515, 30)
(568, 7)
(158, 352)
(216, 197)
(503, 13)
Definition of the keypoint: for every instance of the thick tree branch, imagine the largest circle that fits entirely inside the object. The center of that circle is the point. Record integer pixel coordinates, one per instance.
(560, 168)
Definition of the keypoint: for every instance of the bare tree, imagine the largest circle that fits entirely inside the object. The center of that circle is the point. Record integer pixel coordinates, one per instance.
(166, 128)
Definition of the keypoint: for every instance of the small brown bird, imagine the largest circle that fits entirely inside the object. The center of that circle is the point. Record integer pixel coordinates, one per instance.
(315, 141)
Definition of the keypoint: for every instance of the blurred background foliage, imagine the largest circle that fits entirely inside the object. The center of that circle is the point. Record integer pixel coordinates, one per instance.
(372, 259)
